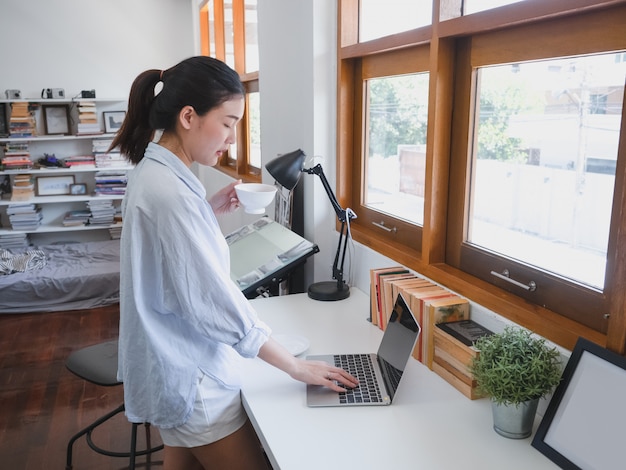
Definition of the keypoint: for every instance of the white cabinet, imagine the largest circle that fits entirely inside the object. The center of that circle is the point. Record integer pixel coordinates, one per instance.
(54, 207)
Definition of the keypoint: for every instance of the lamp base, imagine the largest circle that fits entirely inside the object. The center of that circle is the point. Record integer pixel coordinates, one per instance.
(328, 291)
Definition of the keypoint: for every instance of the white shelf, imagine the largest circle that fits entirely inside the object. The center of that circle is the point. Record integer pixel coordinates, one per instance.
(42, 138)
(62, 199)
(63, 100)
(54, 208)
(63, 171)
(59, 228)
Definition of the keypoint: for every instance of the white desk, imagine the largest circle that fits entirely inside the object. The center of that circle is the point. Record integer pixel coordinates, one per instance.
(430, 425)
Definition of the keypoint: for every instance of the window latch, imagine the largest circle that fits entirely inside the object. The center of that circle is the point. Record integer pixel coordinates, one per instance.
(505, 276)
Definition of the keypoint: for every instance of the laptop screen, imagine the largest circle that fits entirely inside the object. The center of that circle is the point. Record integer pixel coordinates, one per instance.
(398, 342)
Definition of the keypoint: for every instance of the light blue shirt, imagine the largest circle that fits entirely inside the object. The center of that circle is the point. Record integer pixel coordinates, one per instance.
(180, 312)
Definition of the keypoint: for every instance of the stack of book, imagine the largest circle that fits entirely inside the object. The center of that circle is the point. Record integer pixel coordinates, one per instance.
(23, 187)
(76, 218)
(110, 183)
(454, 351)
(14, 241)
(115, 232)
(105, 159)
(102, 212)
(431, 304)
(16, 156)
(80, 161)
(24, 217)
(87, 118)
(22, 122)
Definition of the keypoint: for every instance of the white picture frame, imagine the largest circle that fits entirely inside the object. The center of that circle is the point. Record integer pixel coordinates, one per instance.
(56, 119)
(54, 185)
(113, 120)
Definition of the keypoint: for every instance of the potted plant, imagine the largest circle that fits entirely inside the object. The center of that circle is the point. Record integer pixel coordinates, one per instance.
(515, 369)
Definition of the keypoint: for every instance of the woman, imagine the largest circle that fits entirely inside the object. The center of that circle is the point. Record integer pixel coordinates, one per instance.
(184, 325)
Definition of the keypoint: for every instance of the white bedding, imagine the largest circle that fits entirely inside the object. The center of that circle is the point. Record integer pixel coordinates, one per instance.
(76, 276)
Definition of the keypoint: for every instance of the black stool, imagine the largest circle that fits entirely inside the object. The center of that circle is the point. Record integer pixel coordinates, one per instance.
(98, 364)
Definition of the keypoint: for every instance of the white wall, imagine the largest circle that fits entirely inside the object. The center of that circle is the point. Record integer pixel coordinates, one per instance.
(89, 44)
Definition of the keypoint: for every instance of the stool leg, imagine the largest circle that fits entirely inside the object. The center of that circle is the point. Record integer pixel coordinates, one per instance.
(88, 429)
(133, 446)
(148, 446)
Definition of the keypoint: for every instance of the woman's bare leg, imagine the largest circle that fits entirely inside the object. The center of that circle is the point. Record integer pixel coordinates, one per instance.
(239, 451)
(178, 458)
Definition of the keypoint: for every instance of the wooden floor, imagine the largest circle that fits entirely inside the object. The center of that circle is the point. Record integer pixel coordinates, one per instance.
(42, 404)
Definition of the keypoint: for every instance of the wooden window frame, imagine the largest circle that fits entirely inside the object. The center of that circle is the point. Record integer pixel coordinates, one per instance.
(446, 39)
(523, 43)
(238, 167)
(399, 233)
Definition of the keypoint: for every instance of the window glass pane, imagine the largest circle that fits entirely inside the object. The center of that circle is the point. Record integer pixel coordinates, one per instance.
(254, 117)
(378, 19)
(473, 6)
(252, 44)
(397, 109)
(545, 151)
(229, 33)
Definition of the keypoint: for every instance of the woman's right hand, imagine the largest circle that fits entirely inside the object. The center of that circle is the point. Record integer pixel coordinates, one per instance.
(310, 372)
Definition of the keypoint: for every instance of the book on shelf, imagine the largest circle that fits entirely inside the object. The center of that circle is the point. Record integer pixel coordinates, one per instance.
(76, 218)
(404, 286)
(466, 331)
(80, 161)
(376, 282)
(387, 298)
(22, 189)
(22, 120)
(16, 162)
(442, 310)
(87, 119)
(418, 298)
(375, 275)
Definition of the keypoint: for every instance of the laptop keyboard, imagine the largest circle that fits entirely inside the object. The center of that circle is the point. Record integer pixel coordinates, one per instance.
(360, 366)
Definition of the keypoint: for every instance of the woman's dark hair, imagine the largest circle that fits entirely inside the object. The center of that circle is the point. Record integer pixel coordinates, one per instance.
(201, 82)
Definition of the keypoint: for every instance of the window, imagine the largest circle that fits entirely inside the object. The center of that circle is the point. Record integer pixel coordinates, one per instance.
(228, 31)
(378, 19)
(539, 198)
(514, 122)
(392, 163)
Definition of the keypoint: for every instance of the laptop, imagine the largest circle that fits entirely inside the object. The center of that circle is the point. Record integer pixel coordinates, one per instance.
(379, 374)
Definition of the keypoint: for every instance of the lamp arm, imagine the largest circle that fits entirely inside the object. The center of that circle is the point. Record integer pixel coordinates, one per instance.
(317, 170)
(341, 253)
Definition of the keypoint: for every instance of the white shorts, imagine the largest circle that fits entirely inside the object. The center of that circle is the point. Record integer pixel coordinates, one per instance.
(217, 412)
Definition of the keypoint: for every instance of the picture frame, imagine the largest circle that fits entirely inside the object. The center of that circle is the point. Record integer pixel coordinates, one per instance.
(113, 120)
(54, 185)
(78, 189)
(4, 120)
(583, 426)
(56, 119)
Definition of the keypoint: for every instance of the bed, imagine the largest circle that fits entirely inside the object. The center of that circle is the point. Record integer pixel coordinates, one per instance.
(76, 276)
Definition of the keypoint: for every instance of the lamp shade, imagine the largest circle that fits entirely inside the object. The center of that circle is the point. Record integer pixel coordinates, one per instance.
(287, 168)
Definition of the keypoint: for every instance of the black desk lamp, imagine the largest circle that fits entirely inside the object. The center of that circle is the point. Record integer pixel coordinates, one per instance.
(286, 170)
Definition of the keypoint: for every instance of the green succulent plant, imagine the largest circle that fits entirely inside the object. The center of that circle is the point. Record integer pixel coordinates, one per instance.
(514, 366)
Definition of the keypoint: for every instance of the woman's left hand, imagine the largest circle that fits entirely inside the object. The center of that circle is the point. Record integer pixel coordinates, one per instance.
(225, 200)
